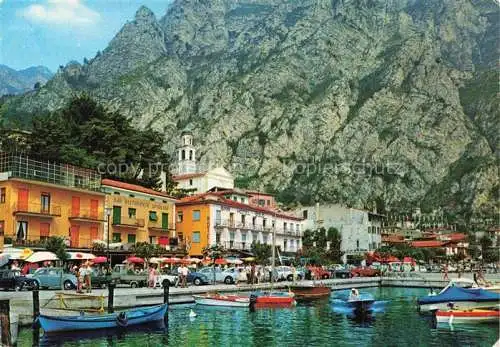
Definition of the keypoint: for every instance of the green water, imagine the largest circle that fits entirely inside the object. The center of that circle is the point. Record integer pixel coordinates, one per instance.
(319, 324)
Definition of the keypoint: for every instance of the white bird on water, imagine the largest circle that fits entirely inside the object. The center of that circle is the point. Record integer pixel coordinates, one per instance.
(192, 314)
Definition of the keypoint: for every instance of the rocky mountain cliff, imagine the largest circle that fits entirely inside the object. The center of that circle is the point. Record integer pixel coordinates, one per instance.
(364, 102)
(19, 81)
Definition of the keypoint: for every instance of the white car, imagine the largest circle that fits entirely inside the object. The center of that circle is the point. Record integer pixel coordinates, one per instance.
(172, 280)
(228, 276)
(284, 273)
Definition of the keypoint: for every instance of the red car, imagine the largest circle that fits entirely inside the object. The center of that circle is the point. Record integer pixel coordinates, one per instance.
(320, 272)
(365, 272)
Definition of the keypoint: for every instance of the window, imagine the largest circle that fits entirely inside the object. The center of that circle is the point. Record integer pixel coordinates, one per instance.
(196, 237)
(284, 226)
(264, 238)
(254, 221)
(264, 221)
(243, 219)
(79, 181)
(117, 237)
(268, 202)
(131, 195)
(2, 227)
(242, 200)
(357, 244)
(243, 237)
(44, 231)
(3, 194)
(231, 235)
(191, 182)
(262, 202)
(131, 213)
(152, 240)
(151, 199)
(196, 215)
(304, 214)
(22, 230)
(217, 238)
(153, 216)
(45, 203)
(235, 198)
(130, 238)
(179, 217)
(116, 193)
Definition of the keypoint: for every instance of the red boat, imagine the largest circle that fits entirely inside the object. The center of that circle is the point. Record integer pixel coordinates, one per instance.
(311, 292)
(271, 299)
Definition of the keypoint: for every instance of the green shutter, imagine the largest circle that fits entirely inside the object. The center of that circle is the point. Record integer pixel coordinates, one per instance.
(164, 220)
(117, 215)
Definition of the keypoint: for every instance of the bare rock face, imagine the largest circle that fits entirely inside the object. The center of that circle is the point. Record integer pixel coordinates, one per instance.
(361, 102)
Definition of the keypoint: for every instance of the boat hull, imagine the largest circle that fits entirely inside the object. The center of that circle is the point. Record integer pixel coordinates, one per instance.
(459, 305)
(228, 301)
(309, 293)
(471, 316)
(52, 324)
(281, 299)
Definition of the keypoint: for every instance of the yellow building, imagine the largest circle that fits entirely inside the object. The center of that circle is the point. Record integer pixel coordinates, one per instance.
(138, 214)
(41, 199)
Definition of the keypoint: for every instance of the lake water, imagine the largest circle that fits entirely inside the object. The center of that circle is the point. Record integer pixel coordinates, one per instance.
(318, 324)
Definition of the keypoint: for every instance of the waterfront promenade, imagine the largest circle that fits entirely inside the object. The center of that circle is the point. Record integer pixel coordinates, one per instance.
(66, 302)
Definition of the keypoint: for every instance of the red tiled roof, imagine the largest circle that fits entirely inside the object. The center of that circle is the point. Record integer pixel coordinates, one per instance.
(393, 239)
(187, 176)
(200, 199)
(425, 244)
(452, 237)
(133, 187)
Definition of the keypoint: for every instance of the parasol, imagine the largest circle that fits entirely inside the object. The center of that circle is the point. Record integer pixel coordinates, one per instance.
(80, 256)
(135, 260)
(100, 260)
(41, 256)
(220, 261)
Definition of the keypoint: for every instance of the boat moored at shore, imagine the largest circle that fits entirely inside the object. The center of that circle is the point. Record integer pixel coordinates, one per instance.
(216, 299)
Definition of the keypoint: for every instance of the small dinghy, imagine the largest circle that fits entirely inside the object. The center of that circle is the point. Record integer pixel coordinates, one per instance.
(142, 315)
(467, 316)
(310, 292)
(215, 299)
(360, 302)
(270, 299)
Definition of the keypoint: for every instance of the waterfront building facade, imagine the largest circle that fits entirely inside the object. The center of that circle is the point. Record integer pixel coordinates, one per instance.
(138, 214)
(39, 199)
(222, 218)
(361, 230)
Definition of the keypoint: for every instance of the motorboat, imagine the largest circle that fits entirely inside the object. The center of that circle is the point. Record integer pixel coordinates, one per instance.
(469, 284)
(461, 298)
(269, 299)
(467, 316)
(361, 303)
(123, 319)
(216, 299)
(310, 292)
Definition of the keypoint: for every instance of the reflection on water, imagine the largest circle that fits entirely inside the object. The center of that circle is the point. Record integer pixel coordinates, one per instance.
(395, 323)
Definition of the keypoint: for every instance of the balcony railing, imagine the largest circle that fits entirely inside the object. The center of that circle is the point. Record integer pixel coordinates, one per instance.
(247, 246)
(86, 215)
(30, 209)
(158, 226)
(130, 222)
(20, 166)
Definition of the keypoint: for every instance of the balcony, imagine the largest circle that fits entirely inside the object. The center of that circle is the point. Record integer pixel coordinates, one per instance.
(36, 210)
(233, 225)
(158, 226)
(243, 246)
(128, 222)
(86, 215)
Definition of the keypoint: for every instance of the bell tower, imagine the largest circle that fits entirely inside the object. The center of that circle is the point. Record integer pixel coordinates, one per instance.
(186, 154)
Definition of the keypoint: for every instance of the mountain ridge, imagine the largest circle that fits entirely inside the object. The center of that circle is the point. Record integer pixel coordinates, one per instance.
(354, 87)
(19, 81)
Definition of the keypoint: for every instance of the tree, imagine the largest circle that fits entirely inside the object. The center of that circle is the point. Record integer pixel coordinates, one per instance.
(57, 246)
(320, 245)
(214, 252)
(85, 133)
(262, 252)
(144, 250)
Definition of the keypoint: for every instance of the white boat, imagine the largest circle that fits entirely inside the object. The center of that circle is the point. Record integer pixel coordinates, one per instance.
(222, 300)
(469, 284)
(467, 316)
(459, 298)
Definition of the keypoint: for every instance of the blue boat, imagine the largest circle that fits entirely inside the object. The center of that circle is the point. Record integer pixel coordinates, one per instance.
(361, 303)
(459, 298)
(142, 315)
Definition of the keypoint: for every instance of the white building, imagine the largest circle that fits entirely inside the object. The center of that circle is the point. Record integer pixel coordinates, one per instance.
(361, 230)
(188, 175)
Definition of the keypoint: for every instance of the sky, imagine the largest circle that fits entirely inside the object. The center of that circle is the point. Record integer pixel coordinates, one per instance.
(54, 32)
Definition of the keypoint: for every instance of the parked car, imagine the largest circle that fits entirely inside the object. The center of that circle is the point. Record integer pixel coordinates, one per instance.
(322, 273)
(226, 276)
(197, 278)
(365, 272)
(12, 279)
(99, 280)
(338, 271)
(165, 278)
(284, 273)
(124, 276)
(53, 277)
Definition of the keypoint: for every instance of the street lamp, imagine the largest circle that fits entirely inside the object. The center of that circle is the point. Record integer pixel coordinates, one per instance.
(108, 211)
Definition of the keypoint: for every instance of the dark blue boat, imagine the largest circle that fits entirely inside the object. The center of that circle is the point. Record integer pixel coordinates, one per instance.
(142, 315)
(461, 298)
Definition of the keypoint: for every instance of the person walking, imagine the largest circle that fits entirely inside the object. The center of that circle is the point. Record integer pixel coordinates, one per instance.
(185, 273)
(87, 278)
(151, 277)
(179, 277)
(294, 274)
(445, 274)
